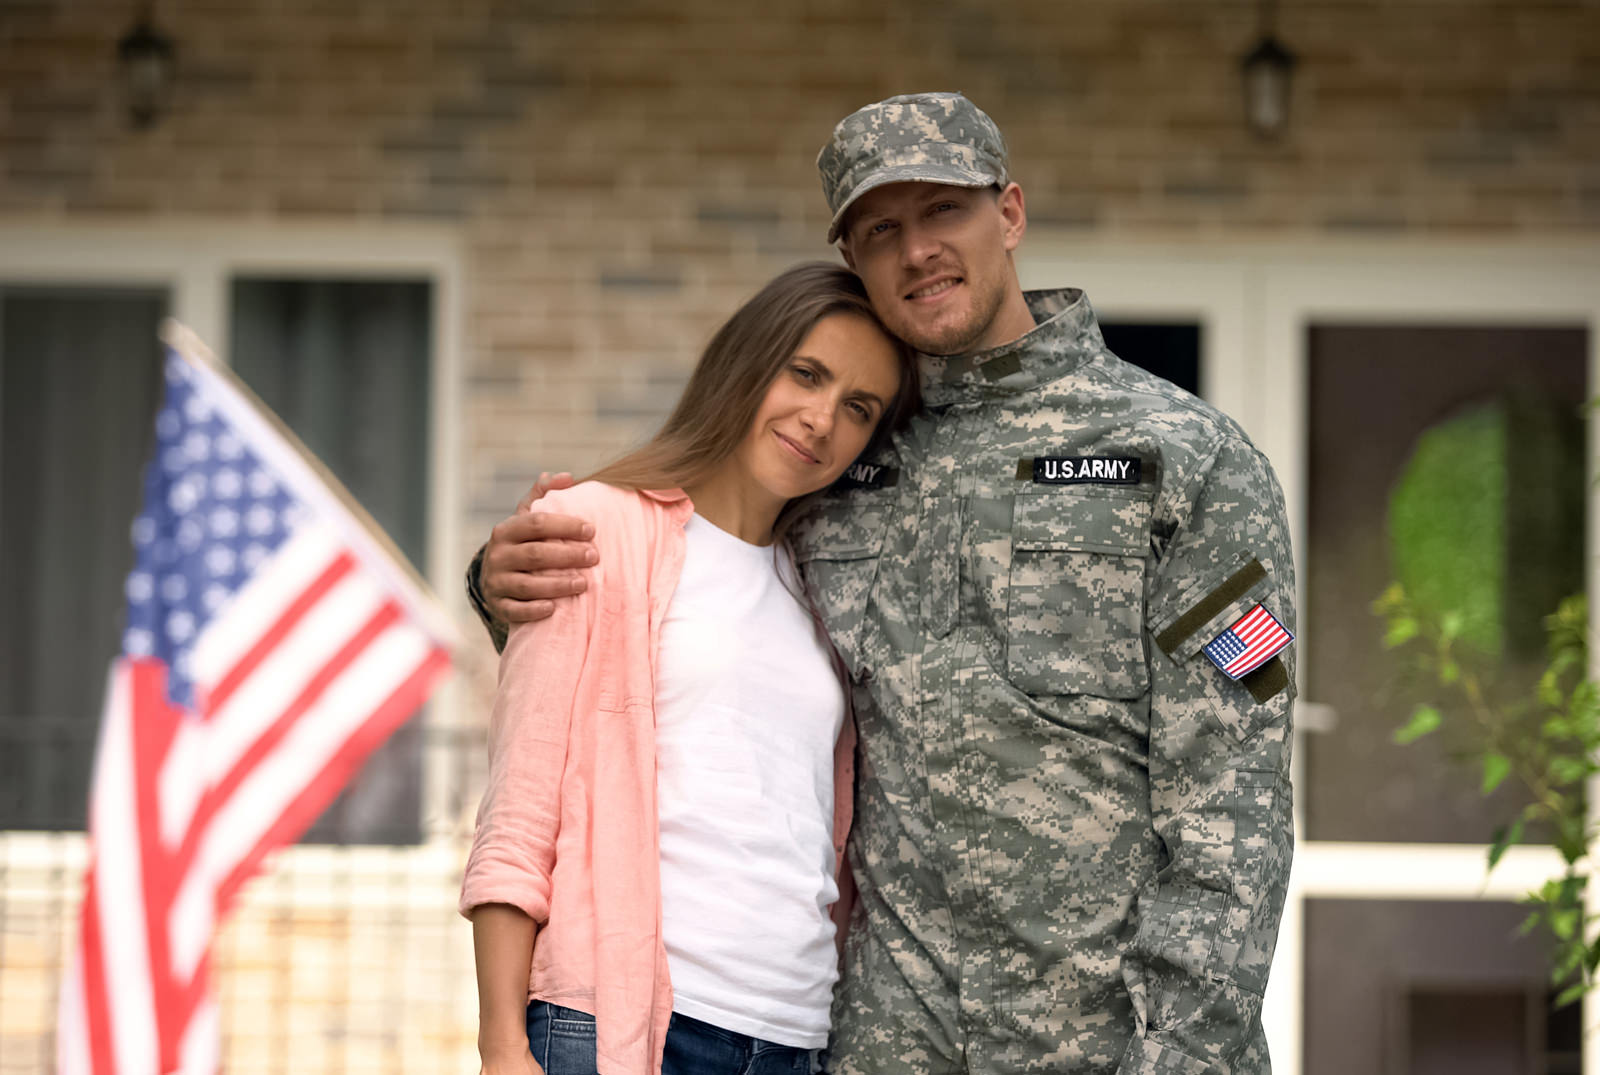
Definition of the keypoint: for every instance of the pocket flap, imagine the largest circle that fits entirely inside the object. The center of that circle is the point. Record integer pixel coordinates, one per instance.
(1102, 520)
(849, 532)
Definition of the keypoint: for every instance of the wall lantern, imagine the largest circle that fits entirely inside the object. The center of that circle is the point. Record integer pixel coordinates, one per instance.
(146, 59)
(1267, 69)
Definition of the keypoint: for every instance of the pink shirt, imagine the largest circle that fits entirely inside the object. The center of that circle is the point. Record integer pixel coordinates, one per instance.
(567, 828)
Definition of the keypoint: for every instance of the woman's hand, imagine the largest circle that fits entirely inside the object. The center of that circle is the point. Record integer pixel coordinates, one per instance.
(509, 1061)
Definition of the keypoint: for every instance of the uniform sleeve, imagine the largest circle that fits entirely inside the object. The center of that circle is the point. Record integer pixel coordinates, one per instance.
(497, 630)
(519, 818)
(1219, 778)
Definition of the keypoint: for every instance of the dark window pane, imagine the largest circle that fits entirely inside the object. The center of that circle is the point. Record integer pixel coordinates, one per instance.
(1514, 393)
(1166, 350)
(346, 365)
(80, 372)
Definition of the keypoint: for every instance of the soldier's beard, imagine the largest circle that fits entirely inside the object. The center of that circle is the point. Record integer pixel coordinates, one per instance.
(966, 334)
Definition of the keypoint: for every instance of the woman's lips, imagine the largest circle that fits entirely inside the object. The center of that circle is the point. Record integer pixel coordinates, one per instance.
(797, 451)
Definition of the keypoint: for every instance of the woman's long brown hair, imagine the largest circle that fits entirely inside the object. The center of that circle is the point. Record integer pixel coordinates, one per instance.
(738, 365)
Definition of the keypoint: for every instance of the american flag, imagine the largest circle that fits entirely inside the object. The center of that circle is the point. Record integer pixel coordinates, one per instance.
(1249, 644)
(272, 642)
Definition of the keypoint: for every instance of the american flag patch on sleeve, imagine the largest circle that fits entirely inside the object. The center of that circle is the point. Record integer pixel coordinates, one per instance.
(1248, 644)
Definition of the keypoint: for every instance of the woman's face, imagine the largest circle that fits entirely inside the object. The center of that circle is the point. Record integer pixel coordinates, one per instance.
(823, 407)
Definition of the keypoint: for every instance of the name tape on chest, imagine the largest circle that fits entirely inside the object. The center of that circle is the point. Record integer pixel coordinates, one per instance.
(868, 476)
(1080, 470)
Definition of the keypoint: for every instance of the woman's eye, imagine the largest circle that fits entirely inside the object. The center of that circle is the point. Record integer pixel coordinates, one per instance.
(804, 374)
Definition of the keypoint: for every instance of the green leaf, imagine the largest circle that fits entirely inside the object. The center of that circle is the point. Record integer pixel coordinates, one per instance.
(1571, 994)
(1450, 625)
(1564, 923)
(1402, 629)
(1530, 924)
(1496, 767)
(1424, 720)
(1449, 672)
(1505, 838)
(1565, 769)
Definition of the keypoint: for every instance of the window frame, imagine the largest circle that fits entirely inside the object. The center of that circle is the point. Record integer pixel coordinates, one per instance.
(195, 261)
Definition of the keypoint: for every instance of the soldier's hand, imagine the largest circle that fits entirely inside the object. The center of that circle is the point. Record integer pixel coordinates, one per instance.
(534, 560)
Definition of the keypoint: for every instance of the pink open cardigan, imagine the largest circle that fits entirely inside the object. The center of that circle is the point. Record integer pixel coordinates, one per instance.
(567, 830)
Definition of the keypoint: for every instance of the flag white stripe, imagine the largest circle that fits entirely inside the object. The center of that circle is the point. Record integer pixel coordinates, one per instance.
(1260, 631)
(119, 891)
(72, 1033)
(178, 787)
(299, 656)
(278, 582)
(200, 1048)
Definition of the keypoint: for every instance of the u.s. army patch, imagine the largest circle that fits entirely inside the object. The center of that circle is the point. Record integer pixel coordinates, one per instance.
(1080, 470)
(867, 476)
(1251, 642)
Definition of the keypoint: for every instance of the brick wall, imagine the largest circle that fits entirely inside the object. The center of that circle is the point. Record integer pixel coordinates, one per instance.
(624, 172)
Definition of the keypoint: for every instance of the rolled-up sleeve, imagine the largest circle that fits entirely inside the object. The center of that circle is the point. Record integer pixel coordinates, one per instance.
(514, 844)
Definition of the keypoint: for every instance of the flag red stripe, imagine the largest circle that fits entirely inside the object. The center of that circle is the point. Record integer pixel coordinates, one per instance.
(154, 726)
(337, 569)
(96, 1001)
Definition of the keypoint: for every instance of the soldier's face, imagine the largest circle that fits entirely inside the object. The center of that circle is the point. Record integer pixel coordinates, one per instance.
(936, 262)
(823, 407)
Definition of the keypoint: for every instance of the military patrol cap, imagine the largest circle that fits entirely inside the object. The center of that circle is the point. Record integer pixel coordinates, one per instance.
(926, 137)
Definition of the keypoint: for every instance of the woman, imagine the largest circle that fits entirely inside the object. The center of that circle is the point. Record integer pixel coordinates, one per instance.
(669, 785)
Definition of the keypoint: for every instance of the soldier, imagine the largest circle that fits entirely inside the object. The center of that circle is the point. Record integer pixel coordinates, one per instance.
(1065, 596)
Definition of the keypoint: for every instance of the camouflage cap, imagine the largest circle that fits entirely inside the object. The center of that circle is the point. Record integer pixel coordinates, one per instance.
(926, 137)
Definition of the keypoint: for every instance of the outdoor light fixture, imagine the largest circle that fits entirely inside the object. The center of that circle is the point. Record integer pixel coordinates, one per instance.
(1267, 69)
(145, 58)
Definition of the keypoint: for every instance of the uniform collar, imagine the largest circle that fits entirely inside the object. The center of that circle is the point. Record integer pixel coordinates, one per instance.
(1064, 337)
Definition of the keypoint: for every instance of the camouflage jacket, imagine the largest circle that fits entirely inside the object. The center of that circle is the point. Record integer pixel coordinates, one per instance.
(1073, 831)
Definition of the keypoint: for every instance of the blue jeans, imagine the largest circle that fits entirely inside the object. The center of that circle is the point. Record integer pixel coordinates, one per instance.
(562, 1041)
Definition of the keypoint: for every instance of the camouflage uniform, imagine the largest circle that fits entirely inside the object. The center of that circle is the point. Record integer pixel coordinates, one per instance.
(1073, 831)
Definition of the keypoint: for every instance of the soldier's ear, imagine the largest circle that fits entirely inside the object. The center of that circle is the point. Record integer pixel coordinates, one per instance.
(844, 252)
(1014, 212)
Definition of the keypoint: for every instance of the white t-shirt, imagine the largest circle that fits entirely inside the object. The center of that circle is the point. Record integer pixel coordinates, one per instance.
(747, 711)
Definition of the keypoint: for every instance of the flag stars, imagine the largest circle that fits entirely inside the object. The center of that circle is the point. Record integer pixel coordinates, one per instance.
(224, 522)
(258, 520)
(190, 535)
(220, 560)
(261, 483)
(197, 447)
(180, 626)
(137, 642)
(174, 588)
(227, 447)
(196, 409)
(226, 484)
(140, 587)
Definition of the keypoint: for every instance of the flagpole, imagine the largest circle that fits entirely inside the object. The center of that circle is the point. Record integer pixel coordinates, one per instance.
(188, 345)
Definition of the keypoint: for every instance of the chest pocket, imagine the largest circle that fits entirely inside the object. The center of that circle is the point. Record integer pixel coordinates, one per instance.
(1075, 600)
(837, 549)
